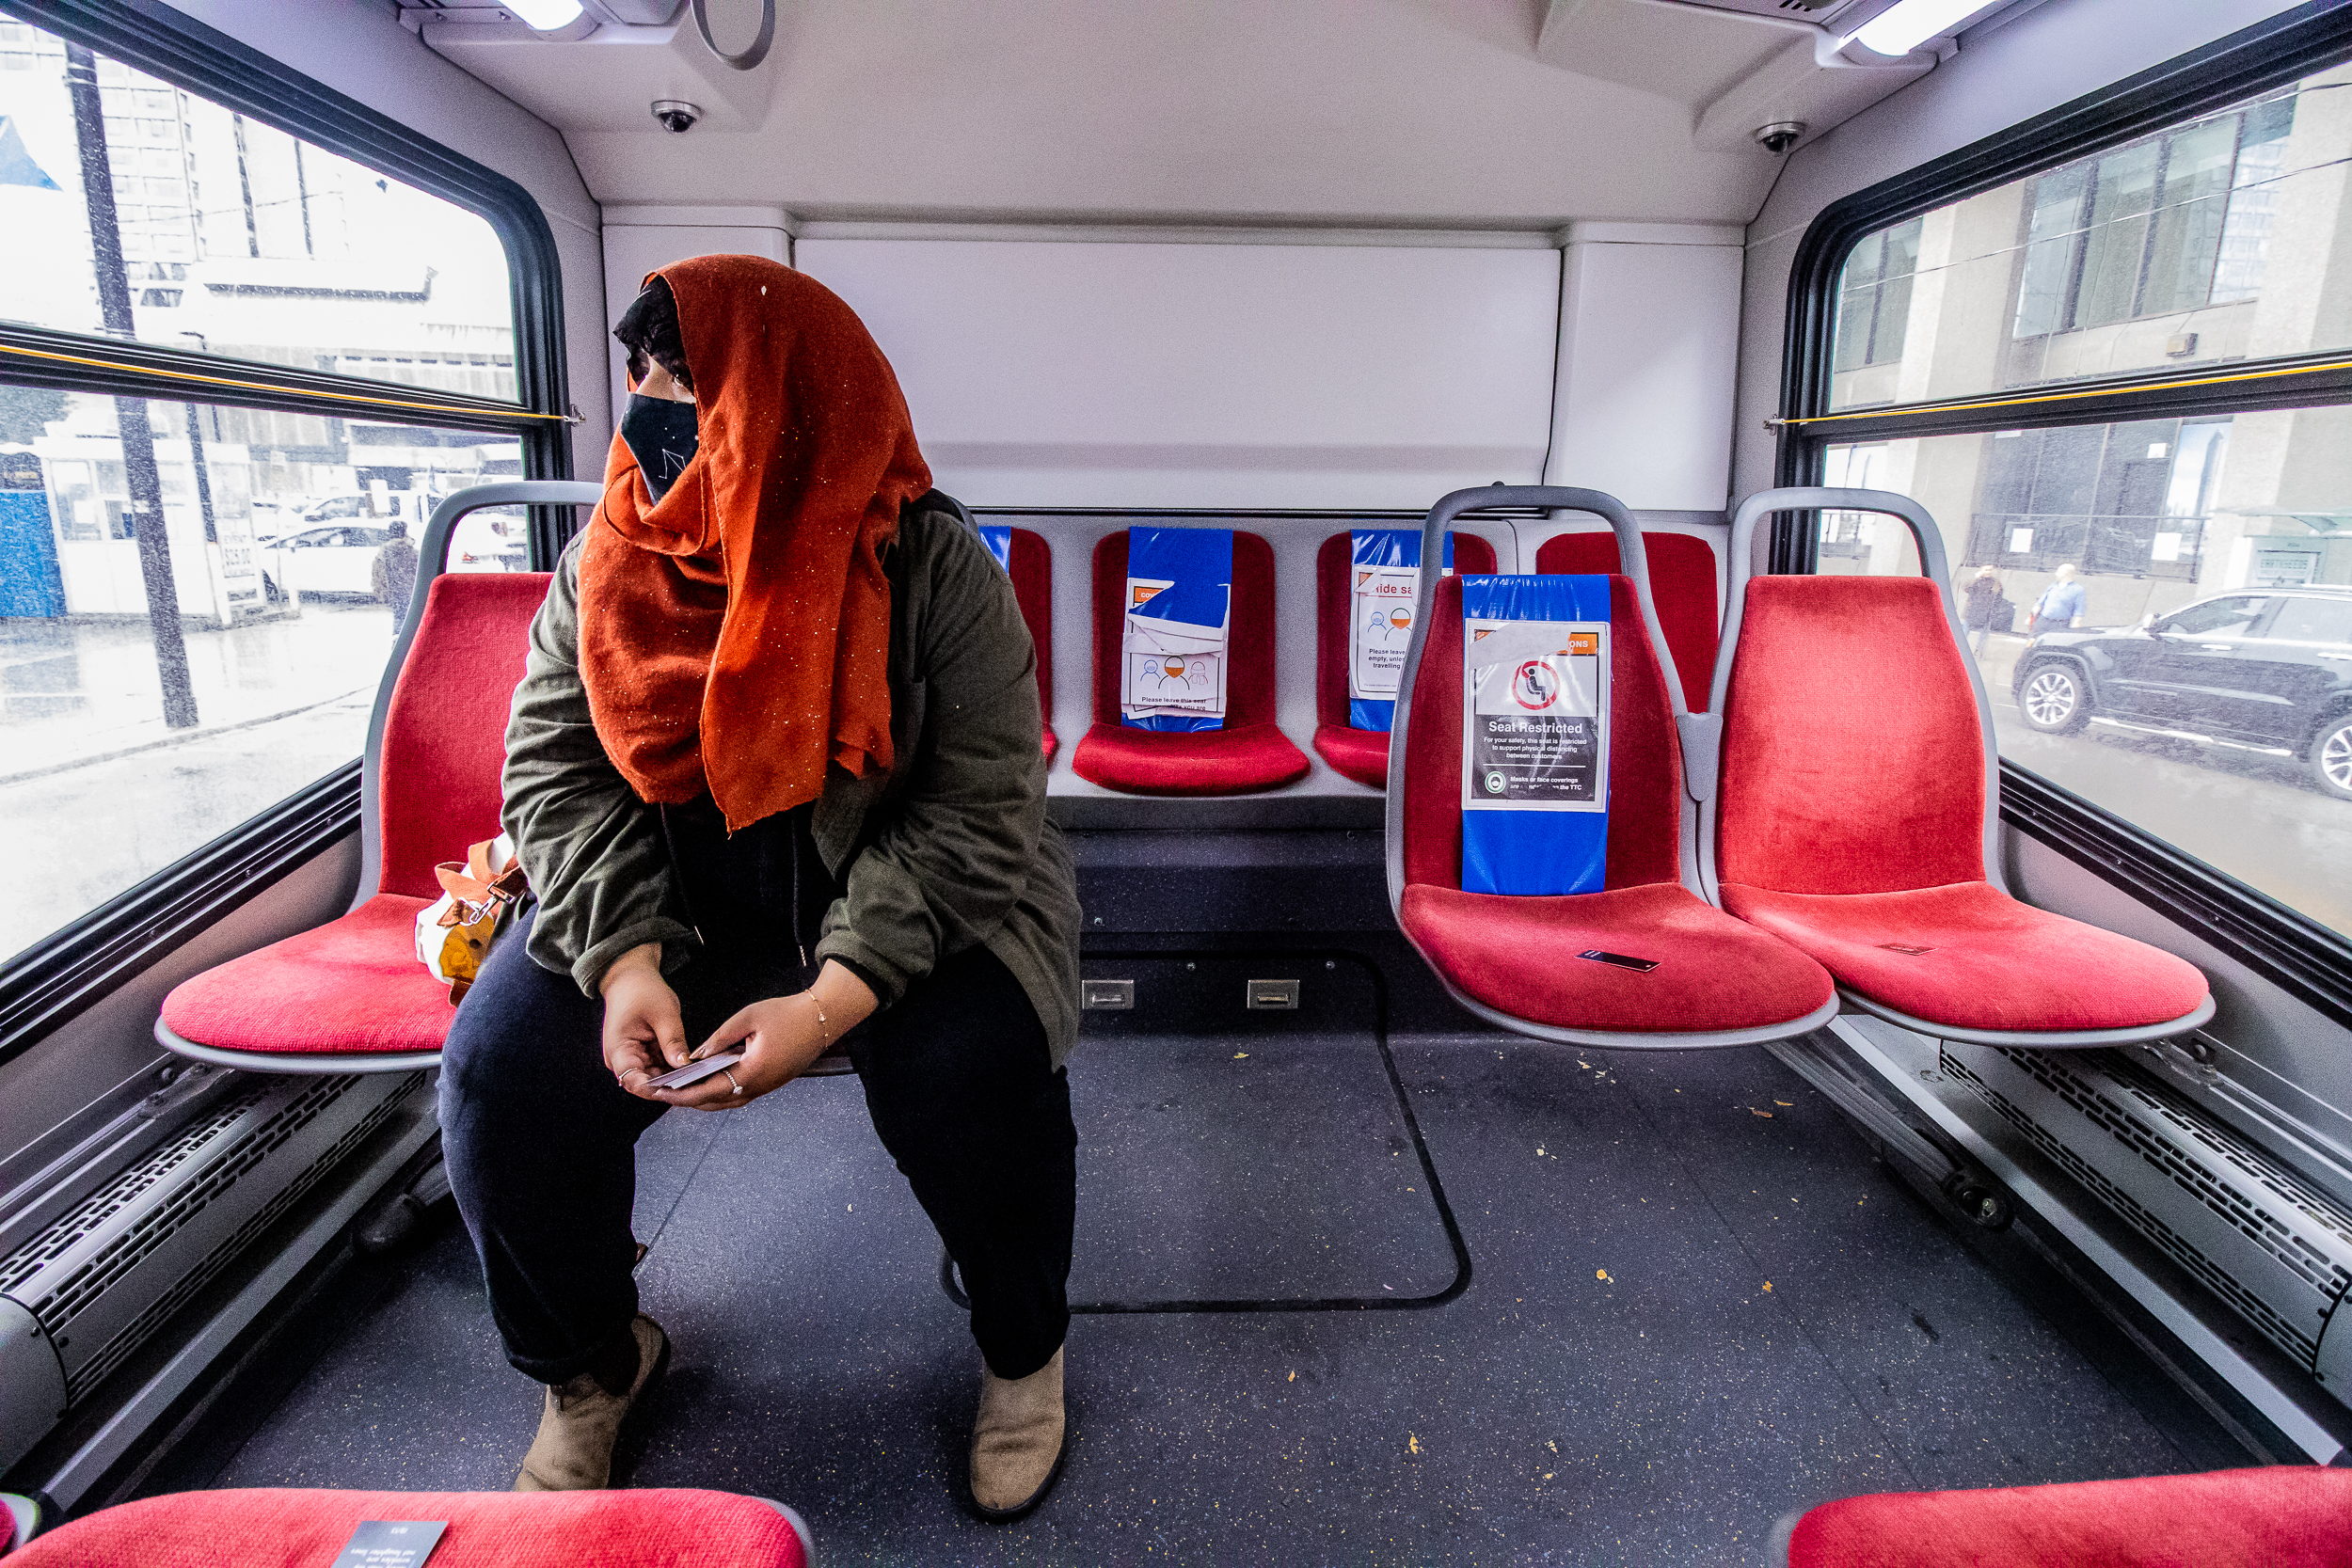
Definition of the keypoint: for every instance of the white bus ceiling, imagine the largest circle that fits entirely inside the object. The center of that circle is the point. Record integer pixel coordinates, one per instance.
(1354, 1271)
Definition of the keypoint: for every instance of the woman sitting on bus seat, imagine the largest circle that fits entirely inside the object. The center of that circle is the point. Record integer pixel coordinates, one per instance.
(774, 771)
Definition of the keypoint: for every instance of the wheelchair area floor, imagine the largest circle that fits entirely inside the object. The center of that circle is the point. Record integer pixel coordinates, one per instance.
(1697, 1301)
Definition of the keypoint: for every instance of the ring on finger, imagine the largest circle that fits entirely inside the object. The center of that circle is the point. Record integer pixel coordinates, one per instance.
(738, 1088)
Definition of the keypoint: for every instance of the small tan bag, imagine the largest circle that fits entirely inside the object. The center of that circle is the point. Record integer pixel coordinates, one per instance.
(477, 903)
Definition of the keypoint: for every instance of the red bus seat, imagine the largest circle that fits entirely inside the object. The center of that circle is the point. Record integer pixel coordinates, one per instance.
(1681, 584)
(1853, 814)
(1249, 752)
(1360, 754)
(302, 1527)
(2280, 1516)
(351, 996)
(1031, 568)
(1516, 960)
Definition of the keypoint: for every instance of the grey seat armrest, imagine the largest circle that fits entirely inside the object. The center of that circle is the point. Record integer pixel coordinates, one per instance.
(1702, 736)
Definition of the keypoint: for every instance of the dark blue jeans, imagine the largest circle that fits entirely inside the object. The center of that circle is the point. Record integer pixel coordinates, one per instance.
(541, 1146)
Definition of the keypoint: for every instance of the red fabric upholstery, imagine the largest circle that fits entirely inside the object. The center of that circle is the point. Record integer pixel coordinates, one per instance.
(1645, 761)
(1990, 961)
(1519, 956)
(1249, 752)
(352, 984)
(1853, 760)
(445, 733)
(1681, 585)
(1851, 820)
(1031, 567)
(291, 1528)
(1211, 762)
(1360, 754)
(2283, 1517)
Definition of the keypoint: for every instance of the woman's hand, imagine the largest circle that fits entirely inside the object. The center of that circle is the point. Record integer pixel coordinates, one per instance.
(642, 1027)
(779, 1038)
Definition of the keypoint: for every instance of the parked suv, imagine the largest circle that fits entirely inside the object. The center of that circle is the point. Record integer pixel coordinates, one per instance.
(2269, 666)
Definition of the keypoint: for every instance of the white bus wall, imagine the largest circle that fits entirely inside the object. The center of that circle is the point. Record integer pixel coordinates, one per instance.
(2025, 63)
(1649, 343)
(638, 240)
(1059, 374)
(359, 48)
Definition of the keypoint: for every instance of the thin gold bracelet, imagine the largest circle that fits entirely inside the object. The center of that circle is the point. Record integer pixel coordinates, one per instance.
(822, 1021)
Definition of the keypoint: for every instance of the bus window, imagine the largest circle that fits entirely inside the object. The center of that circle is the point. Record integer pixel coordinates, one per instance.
(2105, 577)
(197, 599)
(121, 759)
(2135, 580)
(234, 237)
(2204, 244)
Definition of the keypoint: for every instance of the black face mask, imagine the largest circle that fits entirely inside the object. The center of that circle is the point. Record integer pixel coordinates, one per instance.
(661, 435)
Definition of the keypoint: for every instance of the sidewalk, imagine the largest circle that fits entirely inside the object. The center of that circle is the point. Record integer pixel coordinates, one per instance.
(97, 793)
(73, 691)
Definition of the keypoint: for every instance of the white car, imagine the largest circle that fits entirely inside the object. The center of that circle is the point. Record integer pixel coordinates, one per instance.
(491, 541)
(327, 555)
(333, 557)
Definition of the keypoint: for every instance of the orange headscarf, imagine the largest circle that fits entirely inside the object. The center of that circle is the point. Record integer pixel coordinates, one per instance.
(736, 636)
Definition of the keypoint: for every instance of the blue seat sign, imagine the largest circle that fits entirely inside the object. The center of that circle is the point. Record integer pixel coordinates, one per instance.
(1535, 677)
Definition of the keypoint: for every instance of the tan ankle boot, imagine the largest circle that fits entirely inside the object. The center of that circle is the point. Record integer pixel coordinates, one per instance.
(573, 1451)
(1017, 1440)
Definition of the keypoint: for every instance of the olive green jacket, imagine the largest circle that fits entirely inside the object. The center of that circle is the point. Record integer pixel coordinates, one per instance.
(949, 849)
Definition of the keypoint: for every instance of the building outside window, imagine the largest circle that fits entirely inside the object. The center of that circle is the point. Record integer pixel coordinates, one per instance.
(198, 599)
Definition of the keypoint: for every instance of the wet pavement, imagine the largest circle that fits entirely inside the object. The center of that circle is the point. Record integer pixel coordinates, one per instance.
(97, 793)
(2264, 819)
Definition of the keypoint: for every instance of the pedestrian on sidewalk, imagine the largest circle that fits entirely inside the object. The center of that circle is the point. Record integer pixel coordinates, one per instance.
(1977, 615)
(2060, 606)
(393, 576)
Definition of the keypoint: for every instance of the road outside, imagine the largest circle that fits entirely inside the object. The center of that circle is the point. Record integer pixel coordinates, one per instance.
(2257, 818)
(96, 794)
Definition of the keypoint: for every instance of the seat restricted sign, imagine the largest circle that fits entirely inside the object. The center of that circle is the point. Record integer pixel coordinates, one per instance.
(1534, 733)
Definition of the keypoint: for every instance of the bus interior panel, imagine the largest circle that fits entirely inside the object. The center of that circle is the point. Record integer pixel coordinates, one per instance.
(1681, 852)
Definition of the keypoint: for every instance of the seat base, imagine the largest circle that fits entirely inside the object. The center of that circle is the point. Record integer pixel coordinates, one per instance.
(1966, 961)
(1360, 754)
(263, 1527)
(345, 996)
(1516, 960)
(2281, 1514)
(1234, 761)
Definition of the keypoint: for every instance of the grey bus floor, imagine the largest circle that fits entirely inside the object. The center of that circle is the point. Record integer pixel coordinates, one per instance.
(1698, 1300)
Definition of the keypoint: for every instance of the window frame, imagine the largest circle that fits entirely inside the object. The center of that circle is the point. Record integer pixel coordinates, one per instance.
(2309, 961)
(64, 973)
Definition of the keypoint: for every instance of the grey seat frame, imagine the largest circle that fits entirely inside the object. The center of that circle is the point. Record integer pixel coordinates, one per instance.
(1635, 566)
(432, 562)
(1708, 738)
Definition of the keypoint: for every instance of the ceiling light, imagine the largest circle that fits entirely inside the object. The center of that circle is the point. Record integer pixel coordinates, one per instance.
(546, 16)
(1907, 23)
